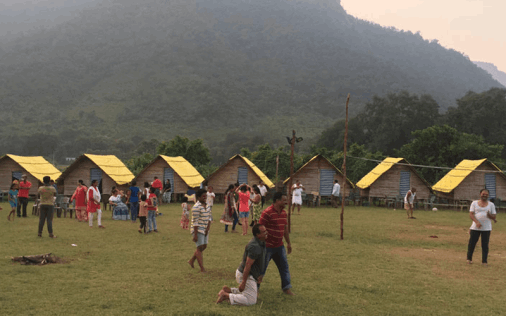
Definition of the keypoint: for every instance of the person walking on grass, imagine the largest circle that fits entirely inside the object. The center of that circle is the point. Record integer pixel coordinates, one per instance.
(336, 189)
(143, 213)
(200, 228)
(158, 185)
(481, 213)
(274, 219)
(263, 191)
(229, 216)
(185, 214)
(249, 273)
(152, 210)
(47, 192)
(13, 201)
(297, 196)
(243, 192)
(409, 200)
(210, 200)
(24, 189)
(93, 204)
(133, 198)
(80, 197)
(167, 191)
(256, 205)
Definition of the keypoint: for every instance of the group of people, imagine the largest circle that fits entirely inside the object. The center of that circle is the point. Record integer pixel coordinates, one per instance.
(267, 243)
(136, 203)
(241, 201)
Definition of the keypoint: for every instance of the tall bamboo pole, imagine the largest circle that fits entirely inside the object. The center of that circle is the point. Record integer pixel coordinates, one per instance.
(277, 167)
(344, 166)
(290, 184)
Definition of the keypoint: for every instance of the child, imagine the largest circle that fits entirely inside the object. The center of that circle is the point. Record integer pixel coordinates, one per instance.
(185, 216)
(143, 212)
(152, 209)
(13, 201)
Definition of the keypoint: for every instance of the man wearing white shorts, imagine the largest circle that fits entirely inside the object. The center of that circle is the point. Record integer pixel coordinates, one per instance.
(297, 196)
(250, 271)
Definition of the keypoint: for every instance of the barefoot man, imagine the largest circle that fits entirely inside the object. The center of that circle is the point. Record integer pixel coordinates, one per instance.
(201, 215)
(249, 273)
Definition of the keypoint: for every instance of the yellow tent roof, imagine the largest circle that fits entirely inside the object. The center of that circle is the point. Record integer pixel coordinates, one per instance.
(113, 167)
(185, 170)
(375, 173)
(307, 163)
(257, 171)
(37, 166)
(453, 178)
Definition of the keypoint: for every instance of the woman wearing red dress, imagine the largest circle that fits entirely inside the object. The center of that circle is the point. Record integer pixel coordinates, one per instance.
(80, 197)
(93, 198)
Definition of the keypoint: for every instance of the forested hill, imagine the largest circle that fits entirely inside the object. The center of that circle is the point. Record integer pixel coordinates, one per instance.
(232, 71)
(494, 71)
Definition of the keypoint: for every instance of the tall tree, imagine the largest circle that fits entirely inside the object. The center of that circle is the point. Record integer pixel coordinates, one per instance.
(385, 123)
(192, 150)
(444, 146)
(481, 114)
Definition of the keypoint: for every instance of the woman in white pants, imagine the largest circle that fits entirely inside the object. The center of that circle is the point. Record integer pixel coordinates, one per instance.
(93, 205)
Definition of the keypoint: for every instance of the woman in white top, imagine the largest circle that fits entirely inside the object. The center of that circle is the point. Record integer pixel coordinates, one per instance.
(297, 196)
(481, 212)
(120, 210)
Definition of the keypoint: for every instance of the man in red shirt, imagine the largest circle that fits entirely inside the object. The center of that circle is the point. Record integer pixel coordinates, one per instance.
(24, 189)
(274, 219)
(158, 186)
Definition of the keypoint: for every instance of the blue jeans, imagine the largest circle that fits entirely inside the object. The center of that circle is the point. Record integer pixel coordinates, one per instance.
(236, 219)
(134, 210)
(279, 256)
(152, 220)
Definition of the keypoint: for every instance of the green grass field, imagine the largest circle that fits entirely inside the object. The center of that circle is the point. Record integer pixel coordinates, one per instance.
(386, 265)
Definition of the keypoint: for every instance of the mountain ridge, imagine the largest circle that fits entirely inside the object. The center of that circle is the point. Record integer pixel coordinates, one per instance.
(219, 70)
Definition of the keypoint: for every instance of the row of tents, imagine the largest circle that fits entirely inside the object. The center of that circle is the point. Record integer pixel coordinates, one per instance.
(392, 177)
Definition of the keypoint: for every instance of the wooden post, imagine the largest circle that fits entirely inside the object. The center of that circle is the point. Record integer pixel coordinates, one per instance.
(290, 184)
(277, 167)
(344, 166)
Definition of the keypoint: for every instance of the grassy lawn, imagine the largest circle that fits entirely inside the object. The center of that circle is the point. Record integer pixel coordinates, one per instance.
(386, 265)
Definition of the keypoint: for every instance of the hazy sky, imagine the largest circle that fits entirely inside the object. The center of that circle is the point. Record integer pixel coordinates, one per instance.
(476, 28)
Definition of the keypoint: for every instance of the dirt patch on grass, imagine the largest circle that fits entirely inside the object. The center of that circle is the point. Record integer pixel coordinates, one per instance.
(433, 233)
(441, 261)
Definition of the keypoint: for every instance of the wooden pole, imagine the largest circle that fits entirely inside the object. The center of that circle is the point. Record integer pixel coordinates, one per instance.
(290, 184)
(344, 166)
(277, 167)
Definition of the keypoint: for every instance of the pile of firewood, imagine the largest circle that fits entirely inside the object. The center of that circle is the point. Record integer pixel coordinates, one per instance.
(38, 259)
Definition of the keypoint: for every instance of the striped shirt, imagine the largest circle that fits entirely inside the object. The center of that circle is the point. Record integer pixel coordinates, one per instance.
(200, 217)
(275, 224)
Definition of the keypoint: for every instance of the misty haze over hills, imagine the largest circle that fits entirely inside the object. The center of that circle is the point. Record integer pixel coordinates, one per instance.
(493, 70)
(232, 72)
(18, 17)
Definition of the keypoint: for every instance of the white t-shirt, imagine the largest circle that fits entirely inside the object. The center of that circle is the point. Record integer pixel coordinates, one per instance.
(411, 198)
(336, 189)
(210, 198)
(115, 199)
(297, 191)
(263, 190)
(481, 215)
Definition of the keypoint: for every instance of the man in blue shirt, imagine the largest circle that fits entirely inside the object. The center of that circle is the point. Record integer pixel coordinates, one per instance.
(133, 198)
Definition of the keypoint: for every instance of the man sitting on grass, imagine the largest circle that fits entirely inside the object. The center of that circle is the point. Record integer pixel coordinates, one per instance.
(249, 273)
